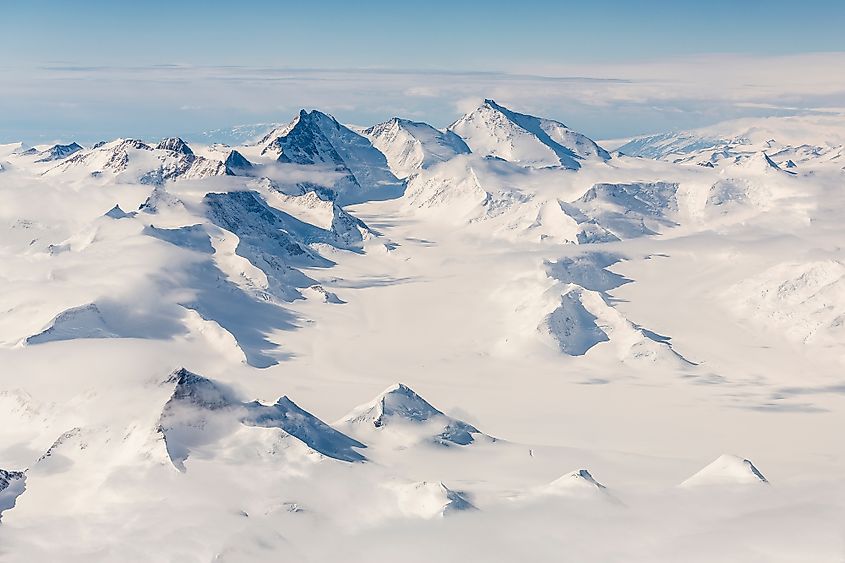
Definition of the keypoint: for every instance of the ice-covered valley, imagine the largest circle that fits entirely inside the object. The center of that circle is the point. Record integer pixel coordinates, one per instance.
(499, 341)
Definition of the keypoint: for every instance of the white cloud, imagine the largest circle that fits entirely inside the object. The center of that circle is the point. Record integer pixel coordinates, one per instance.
(603, 99)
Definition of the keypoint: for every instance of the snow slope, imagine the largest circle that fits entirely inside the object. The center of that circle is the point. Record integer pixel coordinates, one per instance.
(411, 145)
(493, 130)
(804, 300)
(574, 484)
(726, 470)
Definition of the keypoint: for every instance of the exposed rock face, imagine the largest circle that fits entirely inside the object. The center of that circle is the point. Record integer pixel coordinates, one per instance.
(58, 152)
(237, 165)
(175, 144)
(317, 139)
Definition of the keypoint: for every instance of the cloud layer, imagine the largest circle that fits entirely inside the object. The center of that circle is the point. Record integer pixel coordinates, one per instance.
(604, 100)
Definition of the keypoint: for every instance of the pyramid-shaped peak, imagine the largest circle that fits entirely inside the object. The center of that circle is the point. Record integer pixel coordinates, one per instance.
(401, 401)
(573, 479)
(194, 402)
(197, 390)
(576, 484)
(182, 376)
(727, 470)
(303, 118)
(429, 499)
(309, 131)
(117, 213)
(494, 130)
(235, 158)
(315, 138)
(175, 144)
(399, 404)
(236, 164)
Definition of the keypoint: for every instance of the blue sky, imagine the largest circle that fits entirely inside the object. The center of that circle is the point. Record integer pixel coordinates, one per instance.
(97, 69)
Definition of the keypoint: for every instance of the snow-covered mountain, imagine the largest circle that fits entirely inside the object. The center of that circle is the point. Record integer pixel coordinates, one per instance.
(630, 315)
(58, 152)
(665, 145)
(237, 165)
(583, 316)
(574, 484)
(398, 408)
(200, 412)
(410, 145)
(429, 500)
(317, 139)
(726, 470)
(133, 160)
(494, 130)
(787, 141)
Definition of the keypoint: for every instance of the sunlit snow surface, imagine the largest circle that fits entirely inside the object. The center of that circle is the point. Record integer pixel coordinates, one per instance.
(557, 352)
